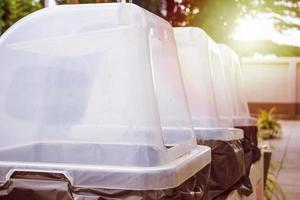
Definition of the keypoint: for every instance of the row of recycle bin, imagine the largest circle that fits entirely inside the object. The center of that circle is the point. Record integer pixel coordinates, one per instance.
(108, 101)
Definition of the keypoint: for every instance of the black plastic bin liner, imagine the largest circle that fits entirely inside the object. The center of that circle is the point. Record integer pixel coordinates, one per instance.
(52, 186)
(228, 171)
(250, 134)
(252, 154)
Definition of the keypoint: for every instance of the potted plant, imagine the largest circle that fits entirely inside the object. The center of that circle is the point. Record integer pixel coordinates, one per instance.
(267, 124)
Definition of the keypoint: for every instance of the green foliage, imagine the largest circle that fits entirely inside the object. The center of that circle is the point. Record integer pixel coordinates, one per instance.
(268, 126)
(278, 9)
(218, 18)
(272, 188)
(13, 10)
(179, 13)
(1, 15)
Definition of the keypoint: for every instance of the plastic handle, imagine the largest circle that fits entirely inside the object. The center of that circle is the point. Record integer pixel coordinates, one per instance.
(45, 185)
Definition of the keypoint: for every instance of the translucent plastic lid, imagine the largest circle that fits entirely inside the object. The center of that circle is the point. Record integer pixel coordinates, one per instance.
(94, 74)
(234, 81)
(200, 63)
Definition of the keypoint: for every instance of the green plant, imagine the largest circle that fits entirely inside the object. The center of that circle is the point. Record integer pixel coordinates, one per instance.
(272, 188)
(1, 15)
(268, 126)
(13, 10)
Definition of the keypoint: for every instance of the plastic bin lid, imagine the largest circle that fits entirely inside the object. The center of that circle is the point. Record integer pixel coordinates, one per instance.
(233, 76)
(200, 64)
(94, 74)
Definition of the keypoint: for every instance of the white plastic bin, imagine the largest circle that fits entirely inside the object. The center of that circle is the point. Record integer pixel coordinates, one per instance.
(195, 50)
(234, 81)
(241, 116)
(211, 109)
(86, 91)
(199, 58)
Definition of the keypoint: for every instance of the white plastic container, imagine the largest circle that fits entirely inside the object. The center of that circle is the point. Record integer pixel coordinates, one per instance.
(86, 90)
(241, 115)
(198, 56)
(234, 81)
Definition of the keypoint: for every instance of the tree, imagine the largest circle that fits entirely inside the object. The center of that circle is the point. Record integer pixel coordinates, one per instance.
(284, 12)
(1, 15)
(286, 16)
(179, 13)
(13, 10)
(218, 18)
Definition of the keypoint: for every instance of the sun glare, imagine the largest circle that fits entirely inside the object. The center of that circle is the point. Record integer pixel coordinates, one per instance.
(255, 28)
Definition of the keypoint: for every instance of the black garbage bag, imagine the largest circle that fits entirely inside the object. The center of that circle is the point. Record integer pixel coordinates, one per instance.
(53, 186)
(228, 171)
(252, 155)
(250, 134)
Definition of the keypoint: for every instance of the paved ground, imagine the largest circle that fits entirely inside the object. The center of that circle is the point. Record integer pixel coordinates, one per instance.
(287, 151)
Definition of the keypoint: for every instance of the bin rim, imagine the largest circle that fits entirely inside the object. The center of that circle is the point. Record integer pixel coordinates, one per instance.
(244, 121)
(170, 175)
(224, 134)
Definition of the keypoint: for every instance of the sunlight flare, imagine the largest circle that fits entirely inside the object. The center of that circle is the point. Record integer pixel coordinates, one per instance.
(259, 27)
